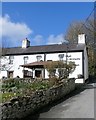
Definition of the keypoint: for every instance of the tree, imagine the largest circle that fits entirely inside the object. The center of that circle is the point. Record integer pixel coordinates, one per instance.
(73, 31)
(51, 68)
(4, 63)
(89, 29)
(80, 27)
(4, 60)
(63, 69)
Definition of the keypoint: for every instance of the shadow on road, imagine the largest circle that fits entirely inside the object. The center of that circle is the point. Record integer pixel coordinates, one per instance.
(79, 88)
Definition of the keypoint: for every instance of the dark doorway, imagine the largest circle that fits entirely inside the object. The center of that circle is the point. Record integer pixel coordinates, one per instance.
(38, 73)
(10, 74)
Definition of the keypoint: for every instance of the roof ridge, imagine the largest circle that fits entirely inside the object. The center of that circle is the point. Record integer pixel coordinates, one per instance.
(41, 45)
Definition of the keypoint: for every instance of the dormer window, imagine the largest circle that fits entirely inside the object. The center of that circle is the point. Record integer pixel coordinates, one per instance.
(25, 59)
(38, 58)
(11, 58)
(61, 56)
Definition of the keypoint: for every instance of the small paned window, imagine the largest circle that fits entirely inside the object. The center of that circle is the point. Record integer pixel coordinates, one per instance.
(11, 58)
(61, 56)
(25, 59)
(38, 58)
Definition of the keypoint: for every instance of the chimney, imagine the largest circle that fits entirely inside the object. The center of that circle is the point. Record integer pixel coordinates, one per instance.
(25, 43)
(81, 39)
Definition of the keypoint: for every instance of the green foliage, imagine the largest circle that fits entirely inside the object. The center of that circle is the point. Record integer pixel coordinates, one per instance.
(20, 87)
(38, 85)
(16, 87)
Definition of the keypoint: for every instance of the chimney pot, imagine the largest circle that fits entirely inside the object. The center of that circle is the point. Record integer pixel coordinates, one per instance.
(25, 43)
(81, 39)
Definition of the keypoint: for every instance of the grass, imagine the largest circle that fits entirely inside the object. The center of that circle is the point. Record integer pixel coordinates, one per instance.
(4, 97)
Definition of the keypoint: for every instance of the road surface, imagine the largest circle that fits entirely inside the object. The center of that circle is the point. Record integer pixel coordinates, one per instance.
(79, 104)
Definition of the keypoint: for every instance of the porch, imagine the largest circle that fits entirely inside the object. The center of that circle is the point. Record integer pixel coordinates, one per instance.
(37, 68)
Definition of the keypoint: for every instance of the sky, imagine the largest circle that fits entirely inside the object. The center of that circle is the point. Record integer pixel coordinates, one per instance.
(41, 22)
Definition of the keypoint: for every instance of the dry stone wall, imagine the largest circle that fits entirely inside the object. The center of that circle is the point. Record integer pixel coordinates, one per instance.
(22, 106)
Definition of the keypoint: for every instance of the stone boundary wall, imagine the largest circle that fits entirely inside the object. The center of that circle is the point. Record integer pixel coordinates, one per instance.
(23, 106)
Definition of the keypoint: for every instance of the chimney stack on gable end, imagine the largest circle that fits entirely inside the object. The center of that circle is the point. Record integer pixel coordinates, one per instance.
(81, 39)
(25, 43)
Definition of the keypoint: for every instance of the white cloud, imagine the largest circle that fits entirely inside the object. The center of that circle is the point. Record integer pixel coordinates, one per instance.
(52, 39)
(13, 32)
(38, 39)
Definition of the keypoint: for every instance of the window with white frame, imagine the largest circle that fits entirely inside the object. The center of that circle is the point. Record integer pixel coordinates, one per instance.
(25, 59)
(61, 56)
(11, 58)
(38, 58)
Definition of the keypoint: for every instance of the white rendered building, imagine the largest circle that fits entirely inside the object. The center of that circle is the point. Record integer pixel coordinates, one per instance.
(32, 59)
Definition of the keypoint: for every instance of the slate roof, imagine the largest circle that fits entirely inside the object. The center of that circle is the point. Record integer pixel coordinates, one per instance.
(44, 49)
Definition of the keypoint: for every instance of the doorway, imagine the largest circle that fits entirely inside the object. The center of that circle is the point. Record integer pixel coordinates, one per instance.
(38, 73)
(10, 74)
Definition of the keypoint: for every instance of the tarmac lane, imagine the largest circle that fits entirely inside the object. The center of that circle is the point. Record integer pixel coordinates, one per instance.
(79, 104)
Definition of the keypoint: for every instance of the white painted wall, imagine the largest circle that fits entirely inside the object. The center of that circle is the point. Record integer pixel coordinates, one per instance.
(18, 60)
(3, 73)
(72, 56)
(77, 58)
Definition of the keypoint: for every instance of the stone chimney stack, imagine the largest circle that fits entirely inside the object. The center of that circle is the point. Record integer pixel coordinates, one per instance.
(81, 39)
(25, 43)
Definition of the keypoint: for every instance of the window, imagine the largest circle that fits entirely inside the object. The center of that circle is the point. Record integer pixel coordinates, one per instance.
(25, 59)
(80, 76)
(11, 59)
(49, 60)
(38, 58)
(61, 56)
